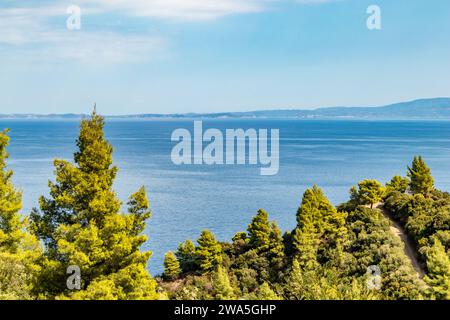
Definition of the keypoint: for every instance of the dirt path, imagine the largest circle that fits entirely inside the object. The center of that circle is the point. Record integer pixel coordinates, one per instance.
(409, 247)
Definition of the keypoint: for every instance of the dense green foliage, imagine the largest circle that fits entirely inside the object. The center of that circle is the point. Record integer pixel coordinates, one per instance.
(81, 225)
(327, 256)
(425, 214)
(438, 263)
(19, 250)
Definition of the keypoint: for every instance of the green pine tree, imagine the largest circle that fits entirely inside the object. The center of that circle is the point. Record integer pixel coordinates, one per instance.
(398, 183)
(324, 284)
(186, 255)
(316, 217)
(276, 245)
(306, 243)
(221, 285)
(81, 225)
(259, 231)
(294, 286)
(276, 253)
(19, 250)
(421, 180)
(171, 266)
(209, 252)
(264, 292)
(315, 209)
(369, 192)
(438, 264)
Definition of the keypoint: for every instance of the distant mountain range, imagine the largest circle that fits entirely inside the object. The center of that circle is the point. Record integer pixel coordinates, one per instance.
(438, 108)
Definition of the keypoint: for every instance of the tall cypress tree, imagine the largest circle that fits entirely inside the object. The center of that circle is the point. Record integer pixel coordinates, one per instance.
(421, 180)
(19, 250)
(81, 225)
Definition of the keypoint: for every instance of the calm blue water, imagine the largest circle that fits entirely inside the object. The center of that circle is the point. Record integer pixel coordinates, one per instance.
(187, 199)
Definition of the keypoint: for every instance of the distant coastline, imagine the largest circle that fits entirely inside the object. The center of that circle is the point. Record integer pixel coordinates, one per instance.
(421, 109)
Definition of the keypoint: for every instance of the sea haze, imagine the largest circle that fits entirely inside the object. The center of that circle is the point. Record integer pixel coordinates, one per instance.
(420, 109)
(187, 199)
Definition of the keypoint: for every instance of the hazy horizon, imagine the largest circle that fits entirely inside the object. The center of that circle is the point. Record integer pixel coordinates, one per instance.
(224, 111)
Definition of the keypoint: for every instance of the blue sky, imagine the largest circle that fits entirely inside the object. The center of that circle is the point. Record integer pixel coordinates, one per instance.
(167, 56)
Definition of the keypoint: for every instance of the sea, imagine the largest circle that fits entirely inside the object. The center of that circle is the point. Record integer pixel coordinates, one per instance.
(186, 199)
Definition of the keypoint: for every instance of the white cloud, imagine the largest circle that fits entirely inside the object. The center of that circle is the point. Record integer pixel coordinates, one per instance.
(178, 9)
(108, 48)
(27, 34)
(315, 1)
(163, 9)
(27, 22)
